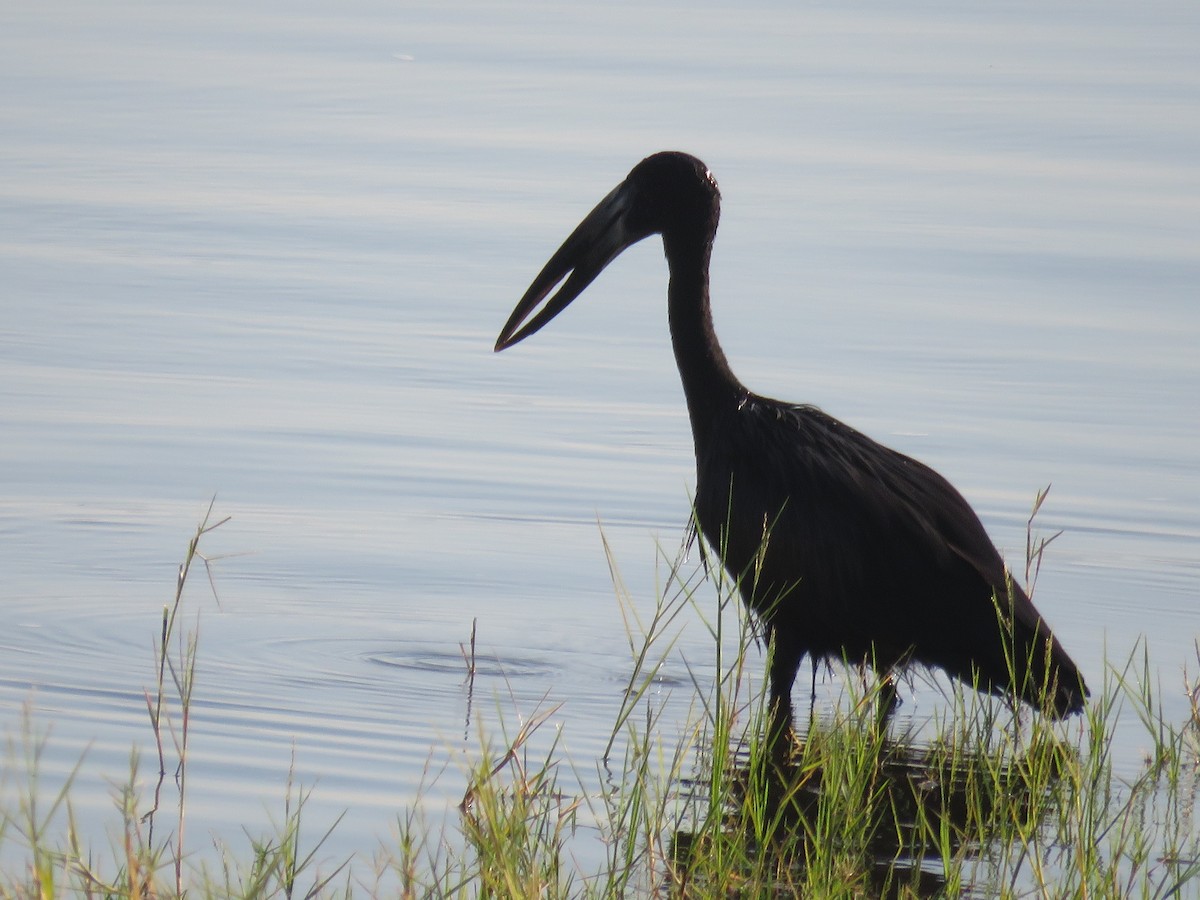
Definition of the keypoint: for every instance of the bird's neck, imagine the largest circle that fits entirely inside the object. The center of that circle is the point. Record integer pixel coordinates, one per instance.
(708, 383)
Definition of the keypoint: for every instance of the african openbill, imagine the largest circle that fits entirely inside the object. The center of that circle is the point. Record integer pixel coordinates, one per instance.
(844, 548)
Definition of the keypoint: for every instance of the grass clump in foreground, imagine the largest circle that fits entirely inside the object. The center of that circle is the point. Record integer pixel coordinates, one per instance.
(976, 800)
(149, 857)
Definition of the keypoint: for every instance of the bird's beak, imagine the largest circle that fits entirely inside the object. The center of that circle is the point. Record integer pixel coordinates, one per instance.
(594, 243)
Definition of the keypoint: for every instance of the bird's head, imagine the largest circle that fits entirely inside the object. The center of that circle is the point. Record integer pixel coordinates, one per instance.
(669, 193)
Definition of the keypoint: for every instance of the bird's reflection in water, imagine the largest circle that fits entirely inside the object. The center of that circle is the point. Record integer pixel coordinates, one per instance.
(884, 817)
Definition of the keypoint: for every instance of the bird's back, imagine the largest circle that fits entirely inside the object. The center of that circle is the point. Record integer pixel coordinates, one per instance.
(848, 548)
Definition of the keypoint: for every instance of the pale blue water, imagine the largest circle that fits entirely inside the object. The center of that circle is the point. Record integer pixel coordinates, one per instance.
(263, 252)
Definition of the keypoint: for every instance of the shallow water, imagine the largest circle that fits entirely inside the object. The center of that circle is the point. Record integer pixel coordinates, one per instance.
(263, 253)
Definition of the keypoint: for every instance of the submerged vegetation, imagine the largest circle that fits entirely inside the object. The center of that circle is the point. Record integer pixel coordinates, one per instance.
(981, 799)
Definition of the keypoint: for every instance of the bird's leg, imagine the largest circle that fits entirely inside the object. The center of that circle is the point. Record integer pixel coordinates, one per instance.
(812, 697)
(784, 660)
(780, 714)
(780, 733)
(888, 697)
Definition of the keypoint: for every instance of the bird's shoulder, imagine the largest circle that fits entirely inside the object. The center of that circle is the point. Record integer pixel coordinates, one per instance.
(806, 435)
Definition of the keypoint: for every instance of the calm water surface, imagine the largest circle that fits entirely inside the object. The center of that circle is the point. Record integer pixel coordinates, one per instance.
(262, 251)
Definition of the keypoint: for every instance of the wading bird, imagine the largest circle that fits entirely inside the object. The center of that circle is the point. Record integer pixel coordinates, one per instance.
(843, 548)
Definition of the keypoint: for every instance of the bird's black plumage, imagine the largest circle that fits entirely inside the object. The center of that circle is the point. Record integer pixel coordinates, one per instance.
(843, 547)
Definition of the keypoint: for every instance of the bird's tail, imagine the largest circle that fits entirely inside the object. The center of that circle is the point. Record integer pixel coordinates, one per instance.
(1040, 671)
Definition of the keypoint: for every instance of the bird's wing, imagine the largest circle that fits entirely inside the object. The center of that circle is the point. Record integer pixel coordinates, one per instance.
(889, 490)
